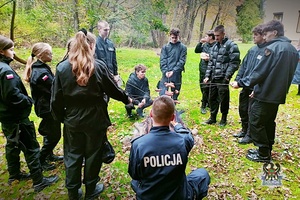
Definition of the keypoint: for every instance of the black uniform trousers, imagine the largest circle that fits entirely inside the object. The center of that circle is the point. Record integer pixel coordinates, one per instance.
(204, 88)
(79, 146)
(22, 137)
(51, 130)
(262, 125)
(244, 107)
(219, 97)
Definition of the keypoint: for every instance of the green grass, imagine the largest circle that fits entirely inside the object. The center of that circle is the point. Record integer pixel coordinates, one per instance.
(232, 175)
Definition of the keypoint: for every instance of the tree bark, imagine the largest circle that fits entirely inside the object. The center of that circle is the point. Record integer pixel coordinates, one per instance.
(202, 21)
(154, 36)
(217, 18)
(12, 28)
(76, 16)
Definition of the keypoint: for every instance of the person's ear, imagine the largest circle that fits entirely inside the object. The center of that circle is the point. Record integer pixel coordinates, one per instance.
(173, 117)
(2, 52)
(151, 115)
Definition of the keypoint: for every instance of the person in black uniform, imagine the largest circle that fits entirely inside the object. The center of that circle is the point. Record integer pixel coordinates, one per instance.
(105, 49)
(271, 79)
(224, 61)
(158, 160)
(78, 101)
(137, 87)
(172, 61)
(19, 131)
(204, 48)
(40, 76)
(251, 59)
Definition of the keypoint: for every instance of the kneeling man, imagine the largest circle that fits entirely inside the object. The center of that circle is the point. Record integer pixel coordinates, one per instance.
(158, 159)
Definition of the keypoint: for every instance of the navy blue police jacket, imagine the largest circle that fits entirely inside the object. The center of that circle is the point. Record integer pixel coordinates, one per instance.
(157, 163)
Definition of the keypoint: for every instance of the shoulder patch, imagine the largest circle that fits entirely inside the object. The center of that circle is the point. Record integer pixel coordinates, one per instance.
(9, 76)
(267, 52)
(45, 77)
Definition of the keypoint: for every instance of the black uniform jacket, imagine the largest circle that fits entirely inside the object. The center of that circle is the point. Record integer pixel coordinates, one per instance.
(157, 163)
(137, 88)
(272, 76)
(224, 60)
(205, 48)
(173, 57)
(83, 107)
(40, 84)
(15, 104)
(106, 51)
(251, 59)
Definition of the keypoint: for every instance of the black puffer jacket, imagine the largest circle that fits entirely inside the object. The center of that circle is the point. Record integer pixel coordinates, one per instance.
(40, 84)
(224, 60)
(15, 104)
(138, 88)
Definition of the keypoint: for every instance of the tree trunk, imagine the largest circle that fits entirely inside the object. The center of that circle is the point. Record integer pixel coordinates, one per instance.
(202, 21)
(76, 16)
(12, 28)
(154, 39)
(217, 18)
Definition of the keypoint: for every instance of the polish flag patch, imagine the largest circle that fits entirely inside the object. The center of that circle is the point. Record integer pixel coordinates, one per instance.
(9, 76)
(45, 78)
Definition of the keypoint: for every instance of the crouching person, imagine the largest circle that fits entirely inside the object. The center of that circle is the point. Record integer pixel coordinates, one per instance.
(19, 131)
(137, 88)
(158, 159)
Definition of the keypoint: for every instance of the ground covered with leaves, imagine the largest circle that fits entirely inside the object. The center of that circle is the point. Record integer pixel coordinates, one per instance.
(232, 175)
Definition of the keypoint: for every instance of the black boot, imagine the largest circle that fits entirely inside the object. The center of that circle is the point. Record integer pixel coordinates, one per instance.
(203, 108)
(75, 194)
(54, 158)
(298, 90)
(92, 194)
(243, 132)
(40, 182)
(262, 155)
(47, 166)
(19, 177)
(139, 112)
(211, 120)
(129, 108)
(240, 134)
(246, 140)
(46, 181)
(223, 121)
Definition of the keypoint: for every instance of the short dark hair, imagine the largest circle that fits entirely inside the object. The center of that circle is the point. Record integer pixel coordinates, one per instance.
(219, 28)
(140, 67)
(210, 33)
(274, 25)
(258, 29)
(175, 31)
(163, 108)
